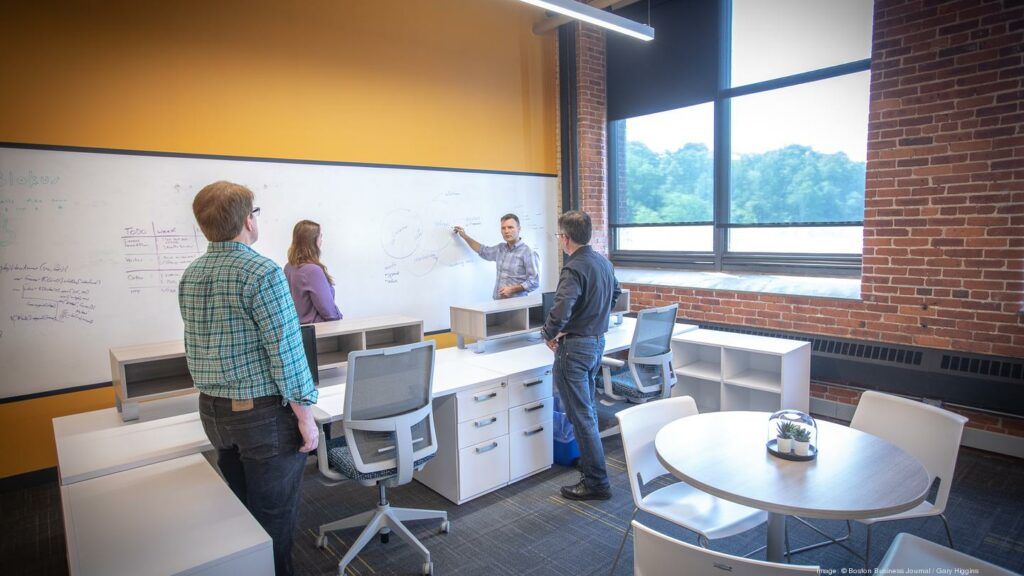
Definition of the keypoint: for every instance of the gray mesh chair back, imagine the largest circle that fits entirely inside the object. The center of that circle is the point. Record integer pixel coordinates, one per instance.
(649, 373)
(388, 422)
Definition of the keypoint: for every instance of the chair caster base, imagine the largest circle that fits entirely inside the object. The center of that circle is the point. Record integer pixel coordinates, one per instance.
(321, 541)
(446, 527)
(428, 568)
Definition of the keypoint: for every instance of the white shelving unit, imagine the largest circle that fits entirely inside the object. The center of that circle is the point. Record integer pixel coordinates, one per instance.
(729, 371)
(508, 317)
(335, 340)
(148, 372)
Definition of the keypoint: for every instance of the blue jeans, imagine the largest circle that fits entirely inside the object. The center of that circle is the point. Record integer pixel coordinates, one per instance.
(577, 362)
(258, 454)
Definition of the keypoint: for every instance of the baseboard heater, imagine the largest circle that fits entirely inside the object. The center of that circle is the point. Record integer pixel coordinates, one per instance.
(991, 383)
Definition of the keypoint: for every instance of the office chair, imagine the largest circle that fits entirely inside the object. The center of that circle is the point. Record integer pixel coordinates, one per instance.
(928, 433)
(389, 433)
(912, 555)
(680, 503)
(655, 554)
(649, 364)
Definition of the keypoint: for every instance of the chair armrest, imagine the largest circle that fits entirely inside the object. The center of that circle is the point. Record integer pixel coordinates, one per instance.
(612, 362)
(322, 462)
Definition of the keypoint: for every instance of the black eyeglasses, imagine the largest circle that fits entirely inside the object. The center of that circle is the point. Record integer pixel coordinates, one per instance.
(255, 211)
(558, 234)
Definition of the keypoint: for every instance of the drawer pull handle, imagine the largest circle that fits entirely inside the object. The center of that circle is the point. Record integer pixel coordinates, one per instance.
(483, 449)
(482, 423)
(485, 397)
(534, 383)
(537, 406)
(538, 430)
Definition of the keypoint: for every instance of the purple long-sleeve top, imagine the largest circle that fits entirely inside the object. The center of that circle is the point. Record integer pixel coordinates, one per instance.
(312, 293)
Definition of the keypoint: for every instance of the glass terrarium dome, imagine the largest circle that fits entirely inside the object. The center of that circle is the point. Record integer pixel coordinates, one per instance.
(792, 435)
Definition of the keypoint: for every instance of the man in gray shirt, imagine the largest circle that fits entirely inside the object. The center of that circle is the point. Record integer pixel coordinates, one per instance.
(574, 331)
(517, 273)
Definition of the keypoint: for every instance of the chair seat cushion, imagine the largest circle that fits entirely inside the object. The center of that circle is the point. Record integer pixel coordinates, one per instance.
(339, 456)
(623, 385)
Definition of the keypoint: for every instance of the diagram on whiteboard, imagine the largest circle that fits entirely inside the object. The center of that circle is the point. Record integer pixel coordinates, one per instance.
(419, 241)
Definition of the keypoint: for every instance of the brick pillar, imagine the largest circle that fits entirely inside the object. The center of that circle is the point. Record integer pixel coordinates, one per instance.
(592, 122)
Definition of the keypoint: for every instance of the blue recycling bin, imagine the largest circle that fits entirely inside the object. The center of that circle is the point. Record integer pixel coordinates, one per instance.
(566, 451)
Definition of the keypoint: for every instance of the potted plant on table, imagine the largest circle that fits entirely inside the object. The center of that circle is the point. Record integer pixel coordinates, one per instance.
(784, 438)
(801, 440)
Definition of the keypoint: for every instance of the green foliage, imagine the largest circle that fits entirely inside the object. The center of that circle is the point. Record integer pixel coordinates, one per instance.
(787, 429)
(795, 184)
(801, 434)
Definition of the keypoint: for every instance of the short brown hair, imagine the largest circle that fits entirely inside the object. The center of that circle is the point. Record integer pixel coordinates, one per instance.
(221, 209)
(511, 216)
(576, 225)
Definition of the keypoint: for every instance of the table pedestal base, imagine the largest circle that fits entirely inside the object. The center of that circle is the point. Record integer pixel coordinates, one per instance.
(776, 551)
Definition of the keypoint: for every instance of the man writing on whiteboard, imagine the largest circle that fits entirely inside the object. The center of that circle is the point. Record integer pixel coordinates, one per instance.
(244, 350)
(516, 263)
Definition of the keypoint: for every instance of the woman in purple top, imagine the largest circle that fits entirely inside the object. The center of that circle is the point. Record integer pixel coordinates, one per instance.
(311, 286)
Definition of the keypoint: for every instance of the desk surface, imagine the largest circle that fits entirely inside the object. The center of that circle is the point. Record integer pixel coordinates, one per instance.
(167, 518)
(856, 475)
(96, 443)
(85, 452)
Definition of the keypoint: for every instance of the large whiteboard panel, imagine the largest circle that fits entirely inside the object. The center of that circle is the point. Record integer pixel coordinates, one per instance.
(92, 246)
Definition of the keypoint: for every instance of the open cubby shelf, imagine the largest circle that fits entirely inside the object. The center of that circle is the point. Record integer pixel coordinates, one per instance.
(747, 372)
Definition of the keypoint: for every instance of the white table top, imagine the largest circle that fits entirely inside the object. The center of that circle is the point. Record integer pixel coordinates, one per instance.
(737, 341)
(92, 453)
(349, 325)
(856, 475)
(165, 518)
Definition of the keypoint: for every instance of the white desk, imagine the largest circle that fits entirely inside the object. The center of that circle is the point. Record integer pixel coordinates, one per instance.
(856, 475)
(97, 443)
(174, 517)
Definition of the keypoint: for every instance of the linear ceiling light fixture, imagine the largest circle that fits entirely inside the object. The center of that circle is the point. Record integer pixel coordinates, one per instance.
(586, 13)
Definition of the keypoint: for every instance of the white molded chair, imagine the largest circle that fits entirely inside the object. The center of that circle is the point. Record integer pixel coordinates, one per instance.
(928, 433)
(389, 433)
(680, 503)
(909, 553)
(650, 372)
(655, 554)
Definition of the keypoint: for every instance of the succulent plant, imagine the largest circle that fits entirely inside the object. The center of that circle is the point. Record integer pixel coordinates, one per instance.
(801, 434)
(786, 429)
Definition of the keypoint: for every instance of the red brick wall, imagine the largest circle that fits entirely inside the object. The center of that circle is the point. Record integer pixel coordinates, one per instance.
(592, 121)
(944, 204)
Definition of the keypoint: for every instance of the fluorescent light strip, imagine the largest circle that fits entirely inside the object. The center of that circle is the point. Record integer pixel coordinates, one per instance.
(596, 17)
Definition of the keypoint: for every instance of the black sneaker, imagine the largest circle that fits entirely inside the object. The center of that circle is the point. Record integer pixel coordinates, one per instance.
(580, 491)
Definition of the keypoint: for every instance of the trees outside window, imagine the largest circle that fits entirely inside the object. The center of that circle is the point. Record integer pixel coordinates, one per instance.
(782, 187)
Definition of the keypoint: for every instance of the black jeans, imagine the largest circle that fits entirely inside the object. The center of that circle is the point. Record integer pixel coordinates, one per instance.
(258, 454)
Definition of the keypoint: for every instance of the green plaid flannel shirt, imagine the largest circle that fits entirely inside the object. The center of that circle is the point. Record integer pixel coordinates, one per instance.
(242, 337)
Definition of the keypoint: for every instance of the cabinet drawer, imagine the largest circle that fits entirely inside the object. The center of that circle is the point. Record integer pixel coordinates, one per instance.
(529, 386)
(530, 449)
(483, 428)
(530, 415)
(481, 402)
(483, 467)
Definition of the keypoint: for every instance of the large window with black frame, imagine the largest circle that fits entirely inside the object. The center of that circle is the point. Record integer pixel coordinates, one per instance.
(769, 175)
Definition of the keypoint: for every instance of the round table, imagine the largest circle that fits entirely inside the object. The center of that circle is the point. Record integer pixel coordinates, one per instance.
(856, 475)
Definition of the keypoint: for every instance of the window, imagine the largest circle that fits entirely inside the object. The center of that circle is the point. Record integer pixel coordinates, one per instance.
(770, 174)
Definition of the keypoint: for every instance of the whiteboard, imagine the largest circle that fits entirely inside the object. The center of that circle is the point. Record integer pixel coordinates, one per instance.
(92, 245)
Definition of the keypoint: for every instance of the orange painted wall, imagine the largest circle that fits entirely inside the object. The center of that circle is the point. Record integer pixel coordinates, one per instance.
(450, 83)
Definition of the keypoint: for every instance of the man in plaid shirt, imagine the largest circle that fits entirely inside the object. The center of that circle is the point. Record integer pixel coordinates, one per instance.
(517, 271)
(244, 350)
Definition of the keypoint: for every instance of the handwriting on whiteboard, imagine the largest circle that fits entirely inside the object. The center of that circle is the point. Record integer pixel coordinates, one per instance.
(155, 255)
(49, 292)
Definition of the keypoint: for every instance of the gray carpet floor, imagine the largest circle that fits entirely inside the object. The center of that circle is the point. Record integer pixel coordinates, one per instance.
(527, 529)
